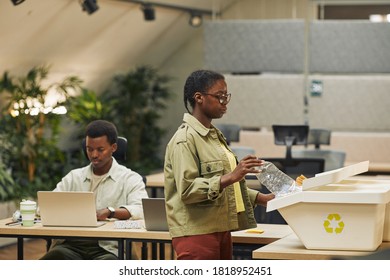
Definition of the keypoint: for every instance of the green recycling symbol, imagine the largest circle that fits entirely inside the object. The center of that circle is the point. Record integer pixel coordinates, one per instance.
(333, 224)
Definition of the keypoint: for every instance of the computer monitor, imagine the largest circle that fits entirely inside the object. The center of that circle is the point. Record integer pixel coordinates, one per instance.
(290, 135)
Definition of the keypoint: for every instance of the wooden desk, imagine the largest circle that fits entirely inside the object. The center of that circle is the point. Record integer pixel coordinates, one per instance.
(371, 177)
(108, 232)
(104, 232)
(272, 232)
(291, 248)
(155, 182)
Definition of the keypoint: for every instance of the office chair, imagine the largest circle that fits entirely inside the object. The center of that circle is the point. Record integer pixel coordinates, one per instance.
(290, 135)
(318, 137)
(297, 166)
(120, 153)
(333, 159)
(230, 131)
(232, 134)
(242, 151)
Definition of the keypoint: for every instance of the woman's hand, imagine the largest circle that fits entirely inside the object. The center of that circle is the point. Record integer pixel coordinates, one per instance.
(249, 164)
(262, 199)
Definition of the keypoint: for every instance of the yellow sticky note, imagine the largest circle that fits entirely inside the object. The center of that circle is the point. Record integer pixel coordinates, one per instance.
(255, 231)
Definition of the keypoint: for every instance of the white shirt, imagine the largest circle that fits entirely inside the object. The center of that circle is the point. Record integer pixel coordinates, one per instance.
(121, 187)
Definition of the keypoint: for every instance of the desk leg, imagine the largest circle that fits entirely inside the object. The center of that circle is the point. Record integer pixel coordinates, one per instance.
(121, 252)
(20, 248)
(129, 248)
(154, 192)
(144, 251)
(154, 251)
(162, 251)
(48, 244)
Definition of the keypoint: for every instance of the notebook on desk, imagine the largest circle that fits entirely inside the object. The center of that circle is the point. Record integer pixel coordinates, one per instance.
(154, 214)
(69, 209)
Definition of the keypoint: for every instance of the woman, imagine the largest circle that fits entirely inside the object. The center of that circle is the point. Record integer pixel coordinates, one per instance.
(205, 191)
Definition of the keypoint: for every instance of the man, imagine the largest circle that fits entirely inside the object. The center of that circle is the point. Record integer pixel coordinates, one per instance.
(118, 192)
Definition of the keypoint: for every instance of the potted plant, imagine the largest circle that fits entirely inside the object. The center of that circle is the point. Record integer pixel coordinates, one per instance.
(137, 99)
(30, 129)
(7, 184)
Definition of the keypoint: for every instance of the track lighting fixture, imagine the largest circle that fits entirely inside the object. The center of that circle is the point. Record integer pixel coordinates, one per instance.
(196, 19)
(196, 15)
(149, 12)
(17, 2)
(89, 6)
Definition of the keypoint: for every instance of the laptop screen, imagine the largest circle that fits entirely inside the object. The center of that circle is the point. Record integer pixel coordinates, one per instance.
(67, 209)
(155, 214)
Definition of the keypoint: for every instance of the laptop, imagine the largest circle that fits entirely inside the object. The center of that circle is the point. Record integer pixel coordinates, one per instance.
(68, 209)
(154, 214)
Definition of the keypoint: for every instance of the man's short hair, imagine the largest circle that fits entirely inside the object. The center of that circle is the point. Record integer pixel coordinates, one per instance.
(100, 128)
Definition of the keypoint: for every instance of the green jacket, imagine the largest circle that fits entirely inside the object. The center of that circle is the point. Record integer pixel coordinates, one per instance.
(194, 164)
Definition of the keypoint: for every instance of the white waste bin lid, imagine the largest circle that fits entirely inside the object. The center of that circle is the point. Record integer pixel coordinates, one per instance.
(335, 176)
(332, 187)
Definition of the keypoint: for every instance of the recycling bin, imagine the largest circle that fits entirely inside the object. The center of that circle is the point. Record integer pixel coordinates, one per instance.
(336, 211)
(386, 230)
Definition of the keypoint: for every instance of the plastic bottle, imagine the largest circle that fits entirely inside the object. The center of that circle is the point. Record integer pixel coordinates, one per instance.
(277, 182)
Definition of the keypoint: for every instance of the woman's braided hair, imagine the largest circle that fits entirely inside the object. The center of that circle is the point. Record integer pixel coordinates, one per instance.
(199, 81)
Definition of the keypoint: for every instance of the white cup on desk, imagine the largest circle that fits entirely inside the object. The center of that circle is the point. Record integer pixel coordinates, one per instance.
(28, 210)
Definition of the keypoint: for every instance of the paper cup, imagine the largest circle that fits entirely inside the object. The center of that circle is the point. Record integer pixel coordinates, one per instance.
(28, 210)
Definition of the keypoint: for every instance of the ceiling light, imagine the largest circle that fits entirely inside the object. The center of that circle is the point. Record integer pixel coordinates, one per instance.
(376, 18)
(196, 15)
(195, 19)
(89, 6)
(17, 2)
(380, 18)
(149, 12)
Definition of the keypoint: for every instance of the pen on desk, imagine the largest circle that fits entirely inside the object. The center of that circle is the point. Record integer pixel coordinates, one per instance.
(19, 222)
(13, 223)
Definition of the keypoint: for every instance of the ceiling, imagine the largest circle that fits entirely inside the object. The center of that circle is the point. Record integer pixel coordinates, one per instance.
(114, 38)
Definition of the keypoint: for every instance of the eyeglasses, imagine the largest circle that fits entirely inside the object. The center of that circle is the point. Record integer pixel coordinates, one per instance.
(222, 98)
